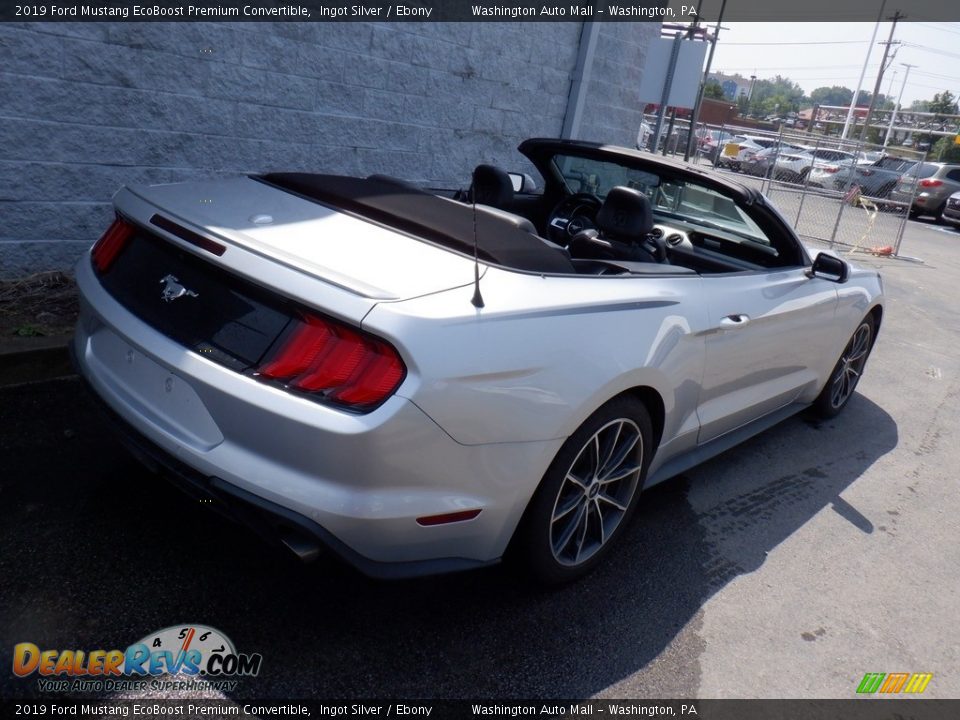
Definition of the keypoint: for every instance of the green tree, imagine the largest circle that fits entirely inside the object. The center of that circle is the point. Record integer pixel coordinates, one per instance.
(945, 150)
(713, 90)
(833, 95)
(775, 97)
(944, 103)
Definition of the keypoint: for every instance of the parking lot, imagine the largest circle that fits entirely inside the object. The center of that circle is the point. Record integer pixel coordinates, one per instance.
(787, 567)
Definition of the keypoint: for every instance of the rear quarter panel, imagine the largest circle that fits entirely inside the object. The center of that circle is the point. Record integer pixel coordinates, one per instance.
(545, 352)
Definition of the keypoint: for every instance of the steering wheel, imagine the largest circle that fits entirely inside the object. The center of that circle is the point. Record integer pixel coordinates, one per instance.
(571, 215)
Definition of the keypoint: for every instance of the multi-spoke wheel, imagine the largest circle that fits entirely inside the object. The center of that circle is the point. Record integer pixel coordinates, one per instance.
(588, 493)
(846, 373)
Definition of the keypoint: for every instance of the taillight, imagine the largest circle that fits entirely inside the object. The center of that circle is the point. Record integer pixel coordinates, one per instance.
(334, 362)
(108, 247)
(931, 183)
(831, 169)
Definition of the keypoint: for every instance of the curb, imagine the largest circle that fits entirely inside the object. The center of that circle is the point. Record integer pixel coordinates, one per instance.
(35, 361)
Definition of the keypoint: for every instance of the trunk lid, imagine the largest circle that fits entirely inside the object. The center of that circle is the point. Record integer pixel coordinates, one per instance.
(226, 268)
(359, 256)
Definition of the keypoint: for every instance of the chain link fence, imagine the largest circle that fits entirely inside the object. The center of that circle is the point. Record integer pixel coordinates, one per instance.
(841, 192)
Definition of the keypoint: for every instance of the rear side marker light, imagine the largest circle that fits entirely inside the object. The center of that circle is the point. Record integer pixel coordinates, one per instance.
(334, 362)
(446, 518)
(109, 247)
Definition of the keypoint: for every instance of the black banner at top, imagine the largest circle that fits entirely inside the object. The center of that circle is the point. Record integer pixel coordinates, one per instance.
(666, 11)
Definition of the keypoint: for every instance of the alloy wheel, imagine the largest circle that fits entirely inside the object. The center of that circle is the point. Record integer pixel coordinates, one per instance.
(850, 367)
(596, 491)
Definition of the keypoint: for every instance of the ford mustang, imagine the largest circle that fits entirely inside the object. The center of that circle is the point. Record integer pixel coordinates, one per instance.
(421, 381)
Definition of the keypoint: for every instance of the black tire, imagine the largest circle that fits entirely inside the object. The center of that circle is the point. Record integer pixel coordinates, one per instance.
(938, 215)
(589, 511)
(847, 372)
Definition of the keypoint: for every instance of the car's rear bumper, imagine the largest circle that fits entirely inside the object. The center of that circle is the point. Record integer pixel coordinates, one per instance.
(274, 523)
(356, 484)
(923, 201)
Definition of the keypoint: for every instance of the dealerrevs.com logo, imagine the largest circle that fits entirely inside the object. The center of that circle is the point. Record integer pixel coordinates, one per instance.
(180, 655)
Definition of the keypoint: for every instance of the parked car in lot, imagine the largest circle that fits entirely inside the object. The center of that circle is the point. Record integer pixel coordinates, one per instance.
(422, 382)
(876, 179)
(823, 174)
(929, 185)
(738, 149)
(780, 162)
(710, 143)
(951, 211)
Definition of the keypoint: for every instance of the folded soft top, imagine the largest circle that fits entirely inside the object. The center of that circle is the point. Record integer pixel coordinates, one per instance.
(413, 211)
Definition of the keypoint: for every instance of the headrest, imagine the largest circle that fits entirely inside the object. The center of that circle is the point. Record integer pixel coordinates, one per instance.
(625, 214)
(491, 186)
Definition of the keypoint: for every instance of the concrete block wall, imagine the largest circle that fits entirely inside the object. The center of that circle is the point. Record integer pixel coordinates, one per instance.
(88, 107)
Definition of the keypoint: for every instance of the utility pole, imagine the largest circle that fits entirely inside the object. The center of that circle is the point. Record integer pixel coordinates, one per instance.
(883, 66)
(896, 107)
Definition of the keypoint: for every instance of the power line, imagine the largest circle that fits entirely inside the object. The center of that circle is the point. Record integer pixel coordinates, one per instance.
(935, 75)
(932, 50)
(933, 26)
(811, 42)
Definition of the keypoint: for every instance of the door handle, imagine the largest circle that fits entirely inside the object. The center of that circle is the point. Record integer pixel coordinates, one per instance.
(736, 320)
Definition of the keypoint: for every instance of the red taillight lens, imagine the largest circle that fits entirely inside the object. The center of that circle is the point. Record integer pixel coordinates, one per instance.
(108, 247)
(300, 349)
(336, 362)
(378, 377)
(931, 183)
(831, 169)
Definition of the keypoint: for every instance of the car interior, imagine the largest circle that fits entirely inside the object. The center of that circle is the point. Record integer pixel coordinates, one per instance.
(646, 225)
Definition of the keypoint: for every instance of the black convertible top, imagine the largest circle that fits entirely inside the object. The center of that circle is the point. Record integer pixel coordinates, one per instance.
(413, 211)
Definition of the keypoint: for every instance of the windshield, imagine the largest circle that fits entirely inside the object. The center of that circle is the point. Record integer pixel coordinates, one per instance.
(685, 200)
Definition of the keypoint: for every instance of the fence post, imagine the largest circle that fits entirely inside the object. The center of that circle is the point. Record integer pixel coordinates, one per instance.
(913, 194)
(806, 186)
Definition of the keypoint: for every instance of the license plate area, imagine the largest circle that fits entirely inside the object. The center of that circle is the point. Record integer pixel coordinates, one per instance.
(156, 394)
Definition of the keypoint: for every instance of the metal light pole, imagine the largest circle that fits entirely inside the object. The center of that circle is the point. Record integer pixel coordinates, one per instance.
(692, 135)
(863, 73)
(896, 107)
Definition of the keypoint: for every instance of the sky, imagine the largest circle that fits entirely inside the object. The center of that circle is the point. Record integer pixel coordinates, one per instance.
(834, 53)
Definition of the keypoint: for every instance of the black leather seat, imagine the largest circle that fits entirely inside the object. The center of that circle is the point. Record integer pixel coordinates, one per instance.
(491, 186)
(624, 230)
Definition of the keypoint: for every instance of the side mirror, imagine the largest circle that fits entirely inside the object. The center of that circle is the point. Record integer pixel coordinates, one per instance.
(830, 268)
(522, 182)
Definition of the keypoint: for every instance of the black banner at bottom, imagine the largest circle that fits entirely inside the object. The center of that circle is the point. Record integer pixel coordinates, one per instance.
(874, 708)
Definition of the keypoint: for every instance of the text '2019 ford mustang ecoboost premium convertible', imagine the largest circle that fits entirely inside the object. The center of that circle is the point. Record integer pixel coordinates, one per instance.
(422, 382)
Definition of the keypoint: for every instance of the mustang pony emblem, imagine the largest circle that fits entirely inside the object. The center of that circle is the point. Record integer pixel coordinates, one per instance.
(172, 289)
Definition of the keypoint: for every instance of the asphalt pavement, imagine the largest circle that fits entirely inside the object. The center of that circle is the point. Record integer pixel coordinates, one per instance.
(788, 567)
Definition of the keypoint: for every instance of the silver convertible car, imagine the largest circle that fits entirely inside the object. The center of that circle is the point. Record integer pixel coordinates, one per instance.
(423, 381)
